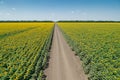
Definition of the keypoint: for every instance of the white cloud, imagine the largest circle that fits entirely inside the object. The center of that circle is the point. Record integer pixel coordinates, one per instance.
(0, 14)
(7, 14)
(52, 14)
(84, 13)
(73, 12)
(13, 9)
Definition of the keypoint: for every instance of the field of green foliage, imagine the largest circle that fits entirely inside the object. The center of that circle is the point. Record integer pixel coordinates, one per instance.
(98, 46)
(24, 50)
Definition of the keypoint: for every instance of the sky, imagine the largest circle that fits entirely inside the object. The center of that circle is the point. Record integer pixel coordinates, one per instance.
(60, 10)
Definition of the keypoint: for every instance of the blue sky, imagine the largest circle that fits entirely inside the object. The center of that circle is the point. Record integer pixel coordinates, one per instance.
(60, 10)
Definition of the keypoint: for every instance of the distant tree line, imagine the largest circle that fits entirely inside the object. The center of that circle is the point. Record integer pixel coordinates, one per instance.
(25, 21)
(56, 21)
(86, 21)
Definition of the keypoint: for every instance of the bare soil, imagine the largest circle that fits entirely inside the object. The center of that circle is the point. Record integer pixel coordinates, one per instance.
(63, 64)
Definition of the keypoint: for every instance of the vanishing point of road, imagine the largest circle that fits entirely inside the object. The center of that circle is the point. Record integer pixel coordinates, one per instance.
(63, 64)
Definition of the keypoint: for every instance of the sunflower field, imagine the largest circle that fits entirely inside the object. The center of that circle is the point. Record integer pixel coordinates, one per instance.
(24, 49)
(97, 45)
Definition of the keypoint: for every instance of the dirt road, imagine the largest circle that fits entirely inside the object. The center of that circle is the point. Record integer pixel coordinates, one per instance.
(63, 64)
